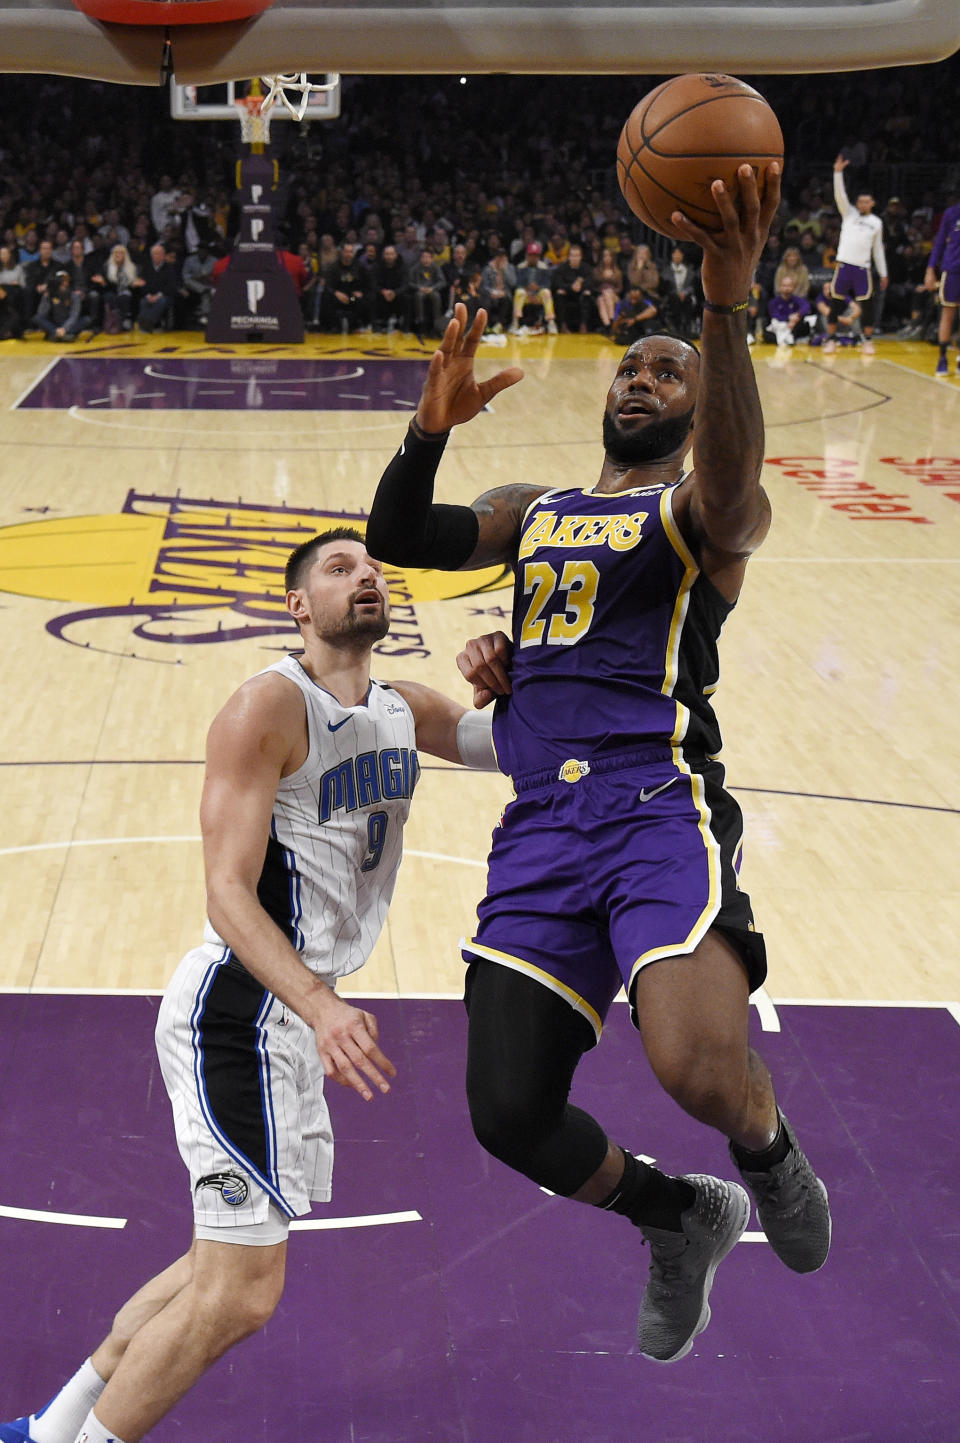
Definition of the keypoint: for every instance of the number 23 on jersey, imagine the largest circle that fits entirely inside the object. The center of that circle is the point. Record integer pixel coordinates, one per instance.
(576, 590)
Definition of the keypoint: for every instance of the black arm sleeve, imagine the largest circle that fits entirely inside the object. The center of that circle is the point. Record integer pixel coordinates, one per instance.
(406, 527)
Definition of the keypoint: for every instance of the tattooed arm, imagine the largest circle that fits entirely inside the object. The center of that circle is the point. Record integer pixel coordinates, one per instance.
(722, 509)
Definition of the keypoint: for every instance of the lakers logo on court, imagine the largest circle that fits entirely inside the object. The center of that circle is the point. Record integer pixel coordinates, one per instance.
(189, 572)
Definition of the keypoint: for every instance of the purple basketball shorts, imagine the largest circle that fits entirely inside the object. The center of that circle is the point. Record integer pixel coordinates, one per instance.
(950, 288)
(851, 283)
(598, 871)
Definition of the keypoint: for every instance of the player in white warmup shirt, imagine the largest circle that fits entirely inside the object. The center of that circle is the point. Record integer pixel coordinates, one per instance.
(310, 769)
(860, 246)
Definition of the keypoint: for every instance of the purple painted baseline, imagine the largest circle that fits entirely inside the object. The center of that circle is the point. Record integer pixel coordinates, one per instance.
(505, 1314)
(162, 383)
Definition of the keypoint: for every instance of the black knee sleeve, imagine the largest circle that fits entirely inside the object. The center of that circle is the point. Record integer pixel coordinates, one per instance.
(524, 1044)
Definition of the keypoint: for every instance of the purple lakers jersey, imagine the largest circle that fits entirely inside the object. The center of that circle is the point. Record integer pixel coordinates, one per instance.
(615, 633)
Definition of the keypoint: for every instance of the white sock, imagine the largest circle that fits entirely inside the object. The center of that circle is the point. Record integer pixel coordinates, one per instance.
(93, 1431)
(59, 1420)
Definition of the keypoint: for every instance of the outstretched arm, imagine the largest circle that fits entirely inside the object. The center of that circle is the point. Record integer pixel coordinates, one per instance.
(722, 508)
(406, 526)
(839, 189)
(448, 730)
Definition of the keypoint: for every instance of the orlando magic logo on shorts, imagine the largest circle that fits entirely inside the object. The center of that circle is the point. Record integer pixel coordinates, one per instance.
(233, 1188)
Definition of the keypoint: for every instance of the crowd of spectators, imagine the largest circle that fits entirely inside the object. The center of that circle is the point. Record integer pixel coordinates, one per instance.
(500, 192)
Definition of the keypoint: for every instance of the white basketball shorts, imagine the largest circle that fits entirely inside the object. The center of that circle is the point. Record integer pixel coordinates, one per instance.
(246, 1085)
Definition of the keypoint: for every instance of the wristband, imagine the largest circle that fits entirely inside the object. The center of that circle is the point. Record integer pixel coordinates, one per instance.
(423, 435)
(475, 741)
(726, 310)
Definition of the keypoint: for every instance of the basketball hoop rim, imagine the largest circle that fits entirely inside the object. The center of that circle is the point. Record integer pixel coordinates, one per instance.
(171, 12)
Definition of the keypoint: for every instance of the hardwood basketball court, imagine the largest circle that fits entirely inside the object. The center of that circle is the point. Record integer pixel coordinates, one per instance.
(148, 494)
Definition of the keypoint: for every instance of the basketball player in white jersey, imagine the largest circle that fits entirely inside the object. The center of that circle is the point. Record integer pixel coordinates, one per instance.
(860, 246)
(309, 773)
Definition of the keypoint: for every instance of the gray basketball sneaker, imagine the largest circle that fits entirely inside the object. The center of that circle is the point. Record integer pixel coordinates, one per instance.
(793, 1208)
(675, 1310)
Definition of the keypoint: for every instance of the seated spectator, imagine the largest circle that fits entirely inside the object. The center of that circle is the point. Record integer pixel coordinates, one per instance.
(811, 250)
(161, 285)
(607, 288)
(390, 290)
(610, 237)
(194, 221)
(409, 245)
(163, 204)
(140, 241)
(425, 290)
(95, 265)
(440, 245)
(196, 284)
(58, 314)
(907, 299)
(635, 316)
(113, 227)
(517, 249)
(848, 321)
(293, 263)
(346, 296)
(680, 295)
(91, 302)
(592, 247)
(533, 296)
(30, 248)
(642, 271)
(895, 223)
(792, 265)
(498, 284)
(122, 286)
(803, 220)
(312, 283)
(558, 249)
(12, 294)
(367, 261)
(573, 293)
(81, 233)
(626, 251)
(467, 292)
(61, 247)
(455, 274)
(39, 276)
(789, 315)
(328, 254)
(770, 258)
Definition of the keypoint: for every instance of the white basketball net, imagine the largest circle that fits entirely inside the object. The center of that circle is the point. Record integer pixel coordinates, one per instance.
(277, 87)
(254, 121)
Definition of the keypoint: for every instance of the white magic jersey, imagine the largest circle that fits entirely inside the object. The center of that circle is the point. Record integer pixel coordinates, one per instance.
(861, 236)
(335, 838)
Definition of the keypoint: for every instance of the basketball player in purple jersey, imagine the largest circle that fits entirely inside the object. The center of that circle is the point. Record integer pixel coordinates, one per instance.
(617, 862)
(943, 274)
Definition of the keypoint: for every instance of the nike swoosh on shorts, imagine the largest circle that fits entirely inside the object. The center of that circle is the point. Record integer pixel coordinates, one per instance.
(645, 795)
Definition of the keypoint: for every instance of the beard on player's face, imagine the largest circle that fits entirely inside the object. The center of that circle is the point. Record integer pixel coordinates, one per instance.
(652, 442)
(351, 629)
(359, 628)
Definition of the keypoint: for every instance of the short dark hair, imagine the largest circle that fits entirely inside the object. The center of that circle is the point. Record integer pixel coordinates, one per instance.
(301, 559)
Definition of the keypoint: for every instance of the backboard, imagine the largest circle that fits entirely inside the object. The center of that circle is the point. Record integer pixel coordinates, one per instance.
(218, 102)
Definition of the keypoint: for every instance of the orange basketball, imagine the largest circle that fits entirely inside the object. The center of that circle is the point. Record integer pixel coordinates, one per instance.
(685, 134)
